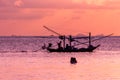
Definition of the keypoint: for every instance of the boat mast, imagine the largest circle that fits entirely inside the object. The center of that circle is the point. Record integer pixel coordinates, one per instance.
(70, 40)
(64, 42)
(89, 38)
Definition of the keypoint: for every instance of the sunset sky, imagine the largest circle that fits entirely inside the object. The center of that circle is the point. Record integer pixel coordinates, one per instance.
(27, 17)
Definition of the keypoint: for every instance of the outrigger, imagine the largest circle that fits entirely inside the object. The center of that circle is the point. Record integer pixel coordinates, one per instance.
(69, 47)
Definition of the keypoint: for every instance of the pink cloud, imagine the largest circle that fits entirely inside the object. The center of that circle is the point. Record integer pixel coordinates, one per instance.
(64, 4)
(24, 14)
(18, 3)
(29, 9)
(67, 4)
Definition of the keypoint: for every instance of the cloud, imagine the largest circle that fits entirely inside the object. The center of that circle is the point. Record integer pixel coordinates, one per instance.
(113, 4)
(62, 4)
(11, 3)
(37, 9)
(18, 3)
(94, 2)
(24, 14)
(3, 3)
(71, 4)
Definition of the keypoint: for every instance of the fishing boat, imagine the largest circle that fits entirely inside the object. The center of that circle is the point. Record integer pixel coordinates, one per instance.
(70, 48)
(64, 46)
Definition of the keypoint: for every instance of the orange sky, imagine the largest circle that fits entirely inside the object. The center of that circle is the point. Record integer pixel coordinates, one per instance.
(26, 17)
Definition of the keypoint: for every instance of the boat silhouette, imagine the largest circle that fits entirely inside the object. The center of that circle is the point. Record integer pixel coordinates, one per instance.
(64, 46)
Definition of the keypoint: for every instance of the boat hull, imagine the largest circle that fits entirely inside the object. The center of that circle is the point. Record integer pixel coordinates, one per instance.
(74, 50)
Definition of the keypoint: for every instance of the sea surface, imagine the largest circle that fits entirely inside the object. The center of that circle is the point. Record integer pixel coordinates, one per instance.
(22, 58)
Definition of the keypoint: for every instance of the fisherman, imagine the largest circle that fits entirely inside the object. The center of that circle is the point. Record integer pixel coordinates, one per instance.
(67, 47)
(59, 45)
(49, 45)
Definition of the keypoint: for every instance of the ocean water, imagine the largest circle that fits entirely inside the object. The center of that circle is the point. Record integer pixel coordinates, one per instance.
(21, 58)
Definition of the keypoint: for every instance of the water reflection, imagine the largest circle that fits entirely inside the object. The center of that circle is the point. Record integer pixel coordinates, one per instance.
(51, 66)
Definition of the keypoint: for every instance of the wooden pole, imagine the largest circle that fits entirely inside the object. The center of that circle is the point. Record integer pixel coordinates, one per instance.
(89, 38)
(70, 38)
(64, 41)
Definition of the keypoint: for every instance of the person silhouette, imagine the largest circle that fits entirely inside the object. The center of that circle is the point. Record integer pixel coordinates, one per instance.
(59, 45)
(50, 45)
